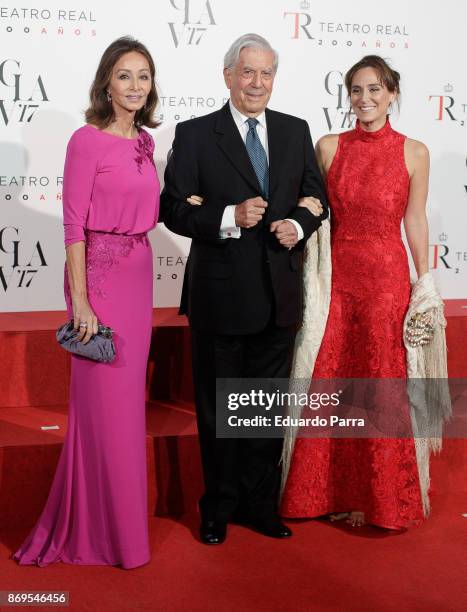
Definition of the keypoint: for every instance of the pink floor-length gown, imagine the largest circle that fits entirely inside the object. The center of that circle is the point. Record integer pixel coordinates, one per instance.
(96, 512)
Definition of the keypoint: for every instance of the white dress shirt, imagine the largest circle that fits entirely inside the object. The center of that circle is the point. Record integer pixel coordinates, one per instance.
(228, 228)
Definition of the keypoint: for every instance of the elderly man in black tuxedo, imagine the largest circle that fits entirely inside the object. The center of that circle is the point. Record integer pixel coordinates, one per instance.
(242, 289)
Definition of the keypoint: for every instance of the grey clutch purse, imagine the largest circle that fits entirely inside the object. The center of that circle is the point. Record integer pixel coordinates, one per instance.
(99, 348)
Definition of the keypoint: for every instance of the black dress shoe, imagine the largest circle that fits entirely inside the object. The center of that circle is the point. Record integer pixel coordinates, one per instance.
(272, 527)
(212, 532)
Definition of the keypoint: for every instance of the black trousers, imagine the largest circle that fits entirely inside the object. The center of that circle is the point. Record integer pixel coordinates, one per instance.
(241, 476)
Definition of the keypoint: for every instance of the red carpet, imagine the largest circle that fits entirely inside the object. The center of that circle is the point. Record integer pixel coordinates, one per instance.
(323, 567)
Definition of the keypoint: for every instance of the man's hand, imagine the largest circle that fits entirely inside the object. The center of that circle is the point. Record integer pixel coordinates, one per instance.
(250, 212)
(286, 233)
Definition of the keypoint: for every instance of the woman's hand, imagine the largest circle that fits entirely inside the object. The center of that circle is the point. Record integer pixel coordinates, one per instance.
(313, 205)
(84, 319)
(195, 200)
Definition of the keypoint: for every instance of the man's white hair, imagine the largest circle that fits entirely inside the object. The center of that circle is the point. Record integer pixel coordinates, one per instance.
(248, 40)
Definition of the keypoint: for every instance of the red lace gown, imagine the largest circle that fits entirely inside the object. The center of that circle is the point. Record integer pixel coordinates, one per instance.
(368, 186)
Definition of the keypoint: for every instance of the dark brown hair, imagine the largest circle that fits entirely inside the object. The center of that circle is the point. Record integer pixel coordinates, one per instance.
(387, 76)
(100, 112)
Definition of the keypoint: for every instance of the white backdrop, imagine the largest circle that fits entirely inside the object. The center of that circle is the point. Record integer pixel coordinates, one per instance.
(49, 54)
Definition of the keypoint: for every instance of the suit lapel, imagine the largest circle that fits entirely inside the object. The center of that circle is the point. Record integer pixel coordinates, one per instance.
(232, 145)
(276, 144)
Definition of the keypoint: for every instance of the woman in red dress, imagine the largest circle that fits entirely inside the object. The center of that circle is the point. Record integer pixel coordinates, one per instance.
(376, 178)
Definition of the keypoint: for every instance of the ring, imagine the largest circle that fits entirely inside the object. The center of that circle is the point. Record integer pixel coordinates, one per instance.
(85, 325)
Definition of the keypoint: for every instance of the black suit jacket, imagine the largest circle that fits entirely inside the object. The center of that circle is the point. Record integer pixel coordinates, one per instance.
(233, 286)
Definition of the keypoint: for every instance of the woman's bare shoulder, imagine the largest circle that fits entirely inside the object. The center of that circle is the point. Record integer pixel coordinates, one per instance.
(328, 143)
(326, 148)
(416, 149)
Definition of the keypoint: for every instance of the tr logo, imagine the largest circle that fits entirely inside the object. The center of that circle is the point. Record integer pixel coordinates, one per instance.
(444, 258)
(300, 22)
(439, 256)
(445, 106)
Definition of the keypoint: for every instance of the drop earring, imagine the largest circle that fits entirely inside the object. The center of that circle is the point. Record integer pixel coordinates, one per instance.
(109, 97)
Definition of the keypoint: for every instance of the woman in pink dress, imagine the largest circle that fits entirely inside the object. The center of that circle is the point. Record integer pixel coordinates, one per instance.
(96, 512)
(376, 177)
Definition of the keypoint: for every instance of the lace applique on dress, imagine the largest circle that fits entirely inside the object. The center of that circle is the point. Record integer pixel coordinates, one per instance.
(144, 150)
(103, 252)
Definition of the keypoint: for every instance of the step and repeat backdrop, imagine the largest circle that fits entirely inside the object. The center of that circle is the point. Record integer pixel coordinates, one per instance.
(49, 52)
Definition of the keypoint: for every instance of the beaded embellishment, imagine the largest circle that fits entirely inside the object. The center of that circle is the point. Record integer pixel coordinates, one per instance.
(420, 330)
(103, 252)
(143, 149)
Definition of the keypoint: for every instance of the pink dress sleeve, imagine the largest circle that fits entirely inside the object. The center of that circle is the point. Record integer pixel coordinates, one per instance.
(78, 182)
